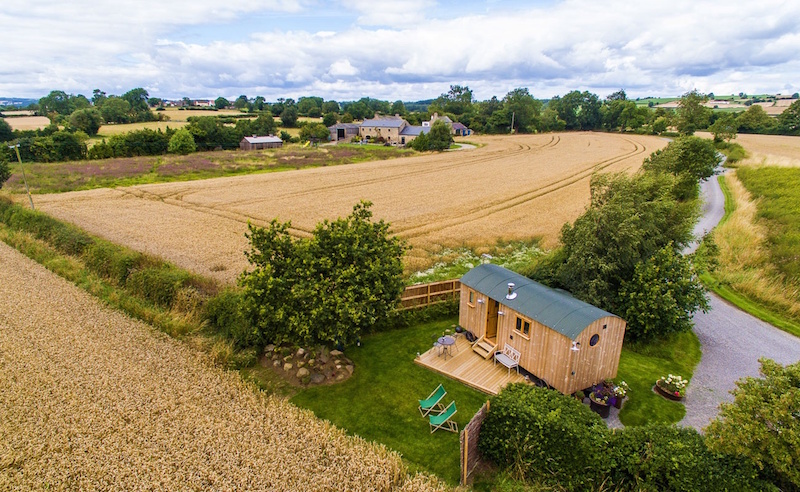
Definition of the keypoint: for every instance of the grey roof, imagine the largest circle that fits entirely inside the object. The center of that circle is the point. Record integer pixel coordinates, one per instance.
(459, 126)
(415, 130)
(384, 122)
(347, 126)
(550, 307)
(263, 139)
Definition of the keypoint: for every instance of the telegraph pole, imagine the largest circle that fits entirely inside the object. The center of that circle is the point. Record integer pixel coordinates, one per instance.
(24, 179)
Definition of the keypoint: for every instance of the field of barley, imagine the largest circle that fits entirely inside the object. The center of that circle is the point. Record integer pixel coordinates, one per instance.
(92, 400)
(512, 187)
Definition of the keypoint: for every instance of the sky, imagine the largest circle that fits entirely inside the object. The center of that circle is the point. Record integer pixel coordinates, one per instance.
(406, 50)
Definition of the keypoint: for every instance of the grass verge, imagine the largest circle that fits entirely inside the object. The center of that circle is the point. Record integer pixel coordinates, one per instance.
(641, 366)
(744, 276)
(379, 401)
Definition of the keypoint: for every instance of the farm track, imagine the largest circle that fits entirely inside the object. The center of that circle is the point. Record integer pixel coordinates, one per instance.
(511, 188)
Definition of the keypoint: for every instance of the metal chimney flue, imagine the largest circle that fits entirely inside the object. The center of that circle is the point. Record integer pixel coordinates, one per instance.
(511, 294)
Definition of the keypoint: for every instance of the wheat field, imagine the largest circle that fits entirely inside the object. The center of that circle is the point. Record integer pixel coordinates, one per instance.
(511, 187)
(93, 400)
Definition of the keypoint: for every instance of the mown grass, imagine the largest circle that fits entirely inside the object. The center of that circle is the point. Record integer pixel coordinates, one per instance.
(60, 177)
(750, 242)
(641, 366)
(379, 401)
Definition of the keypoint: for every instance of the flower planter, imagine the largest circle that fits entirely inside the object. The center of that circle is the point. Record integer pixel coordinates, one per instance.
(600, 408)
(666, 393)
(618, 402)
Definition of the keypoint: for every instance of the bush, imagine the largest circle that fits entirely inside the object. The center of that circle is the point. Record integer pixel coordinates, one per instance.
(182, 143)
(661, 457)
(545, 436)
(111, 261)
(157, 285)
(224, 315)
(65, 237)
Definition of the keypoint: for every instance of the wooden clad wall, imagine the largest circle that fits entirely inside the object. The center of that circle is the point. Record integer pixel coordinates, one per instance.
(472, 317)
(547, 354)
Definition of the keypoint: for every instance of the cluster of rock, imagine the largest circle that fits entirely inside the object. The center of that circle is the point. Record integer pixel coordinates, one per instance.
(309, 366)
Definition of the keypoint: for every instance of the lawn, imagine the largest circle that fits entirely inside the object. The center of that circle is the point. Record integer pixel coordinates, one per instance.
(379, 402)
(641, 366)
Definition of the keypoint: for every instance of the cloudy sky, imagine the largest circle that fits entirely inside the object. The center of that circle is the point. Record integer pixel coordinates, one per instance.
(401, 49)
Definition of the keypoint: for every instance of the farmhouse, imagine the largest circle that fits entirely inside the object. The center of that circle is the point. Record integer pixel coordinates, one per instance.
(565, 342)
(262, 142)
(396, 130)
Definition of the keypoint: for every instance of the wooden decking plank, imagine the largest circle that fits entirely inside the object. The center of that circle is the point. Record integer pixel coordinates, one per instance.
(469, 368)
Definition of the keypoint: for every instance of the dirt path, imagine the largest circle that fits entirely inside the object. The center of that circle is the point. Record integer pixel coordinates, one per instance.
(92, 400)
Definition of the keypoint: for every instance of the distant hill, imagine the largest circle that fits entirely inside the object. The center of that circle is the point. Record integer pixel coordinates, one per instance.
(16, 102)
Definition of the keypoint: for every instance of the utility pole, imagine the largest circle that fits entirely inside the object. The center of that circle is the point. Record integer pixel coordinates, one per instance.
(24, 179)
(513, 113)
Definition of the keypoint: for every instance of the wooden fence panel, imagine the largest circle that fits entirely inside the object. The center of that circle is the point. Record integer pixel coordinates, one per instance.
(470, 457)
(426, 294)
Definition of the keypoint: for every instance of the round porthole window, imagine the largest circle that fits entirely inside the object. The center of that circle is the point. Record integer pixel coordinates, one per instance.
(593, 341)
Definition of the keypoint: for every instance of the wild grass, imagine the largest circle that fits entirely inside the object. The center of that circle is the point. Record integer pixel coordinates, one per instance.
(61, 177)
(757, 244)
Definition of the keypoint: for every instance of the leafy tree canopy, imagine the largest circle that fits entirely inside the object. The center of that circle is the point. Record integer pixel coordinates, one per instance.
(86, 120)
(181, 142)
(329, 288)
(692, 114)
(763, 423)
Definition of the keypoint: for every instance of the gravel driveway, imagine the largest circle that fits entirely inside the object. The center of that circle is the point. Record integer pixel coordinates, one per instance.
(732, 340)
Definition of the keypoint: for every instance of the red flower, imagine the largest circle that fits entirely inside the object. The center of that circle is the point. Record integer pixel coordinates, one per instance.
(677, 393)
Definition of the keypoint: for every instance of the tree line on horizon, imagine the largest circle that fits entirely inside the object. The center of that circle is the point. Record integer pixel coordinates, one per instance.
(74, 118)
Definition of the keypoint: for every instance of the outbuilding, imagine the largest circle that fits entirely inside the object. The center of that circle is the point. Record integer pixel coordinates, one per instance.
(565, 342)
(260, 142)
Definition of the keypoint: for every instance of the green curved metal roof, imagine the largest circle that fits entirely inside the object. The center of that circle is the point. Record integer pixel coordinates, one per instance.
(554, 308)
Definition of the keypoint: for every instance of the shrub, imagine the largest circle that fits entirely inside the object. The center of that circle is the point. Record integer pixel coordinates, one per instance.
(224, 315)
(545, 436)
(157, 285)
(111, 261)
(661, 457)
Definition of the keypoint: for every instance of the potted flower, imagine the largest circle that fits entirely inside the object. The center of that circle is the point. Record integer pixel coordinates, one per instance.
(602, 397)
(620, 391)
(672, 387)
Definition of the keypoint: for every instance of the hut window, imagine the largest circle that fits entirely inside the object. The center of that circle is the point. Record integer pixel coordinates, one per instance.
(593, 341)
(472, 298)
(523, 326)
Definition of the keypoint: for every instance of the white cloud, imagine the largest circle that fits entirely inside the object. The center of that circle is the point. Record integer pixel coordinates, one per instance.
(409, 49)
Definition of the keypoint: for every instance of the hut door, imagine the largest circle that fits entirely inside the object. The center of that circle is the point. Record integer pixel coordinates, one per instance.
(491, 319)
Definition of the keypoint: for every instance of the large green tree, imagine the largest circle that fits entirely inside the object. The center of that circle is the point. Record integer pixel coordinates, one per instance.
(692, 114)
(629, 220)
(315, 131)
(116, 110)
(329, 288)
(289, 117)
(789, 120)
(181, 142)
(6, 133)
(755, 120)
(221, 103)
(763, 423)
(724, 128)
(87, 120)
(691, 159)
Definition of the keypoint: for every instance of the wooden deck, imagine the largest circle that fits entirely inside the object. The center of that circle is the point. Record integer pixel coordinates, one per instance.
(469, 368)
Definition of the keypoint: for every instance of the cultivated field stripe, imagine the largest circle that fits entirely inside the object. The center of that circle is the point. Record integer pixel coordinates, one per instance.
(93, 400)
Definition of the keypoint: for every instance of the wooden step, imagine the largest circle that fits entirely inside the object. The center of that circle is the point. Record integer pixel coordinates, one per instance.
(484, 349)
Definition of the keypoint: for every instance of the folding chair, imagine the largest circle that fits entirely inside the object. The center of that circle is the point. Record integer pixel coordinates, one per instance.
(432, 401)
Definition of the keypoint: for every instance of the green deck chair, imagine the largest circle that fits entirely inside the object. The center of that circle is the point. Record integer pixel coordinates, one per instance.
(442, 421)
(433, 401)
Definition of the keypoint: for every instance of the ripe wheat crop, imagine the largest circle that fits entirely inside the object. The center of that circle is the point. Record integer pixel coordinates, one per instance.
(512, 187)
(92, 400)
